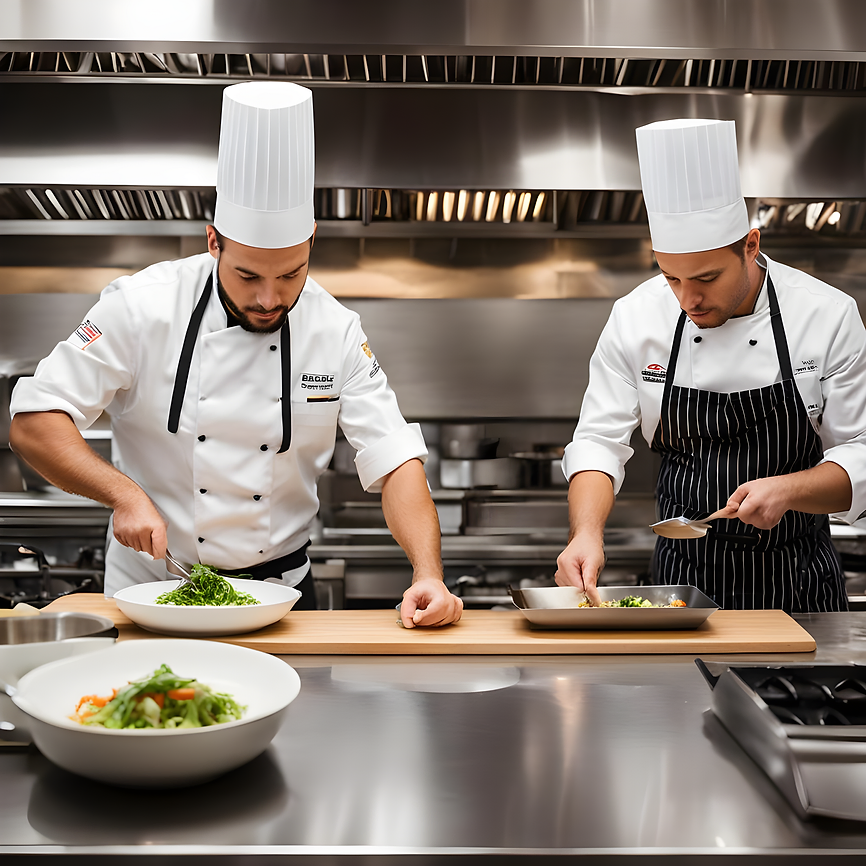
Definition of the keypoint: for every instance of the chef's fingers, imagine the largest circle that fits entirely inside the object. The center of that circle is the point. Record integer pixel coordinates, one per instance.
(440, 611)
(158, 542)
(407, 612)
(429, 603)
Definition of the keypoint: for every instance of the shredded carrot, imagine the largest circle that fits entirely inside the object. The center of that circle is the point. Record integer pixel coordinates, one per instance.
(678, 602)
(157, 697)
(181, 694)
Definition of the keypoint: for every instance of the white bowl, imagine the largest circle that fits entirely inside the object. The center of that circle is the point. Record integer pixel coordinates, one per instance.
(157, 758)
(139, 604)
(18, 659)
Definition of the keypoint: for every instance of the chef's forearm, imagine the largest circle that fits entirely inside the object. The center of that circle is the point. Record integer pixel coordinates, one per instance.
(51, 444)
(824, 489)
(590, 500)
(412, 518)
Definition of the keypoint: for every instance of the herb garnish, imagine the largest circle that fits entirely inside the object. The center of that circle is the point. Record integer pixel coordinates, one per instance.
(208, 588)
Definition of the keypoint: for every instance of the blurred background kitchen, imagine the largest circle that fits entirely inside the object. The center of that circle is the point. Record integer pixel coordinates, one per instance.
(478, 205)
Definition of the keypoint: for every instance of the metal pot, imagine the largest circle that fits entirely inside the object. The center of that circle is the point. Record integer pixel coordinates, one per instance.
(466, 442)
(541, 468)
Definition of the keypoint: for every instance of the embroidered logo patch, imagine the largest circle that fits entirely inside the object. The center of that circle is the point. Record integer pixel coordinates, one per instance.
(367, 350)
(317, 381)
(807, 366)
(87, 332)
(653, 373)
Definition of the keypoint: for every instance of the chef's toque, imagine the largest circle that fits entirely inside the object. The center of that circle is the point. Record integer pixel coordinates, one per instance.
(691, 184)
(266, 165)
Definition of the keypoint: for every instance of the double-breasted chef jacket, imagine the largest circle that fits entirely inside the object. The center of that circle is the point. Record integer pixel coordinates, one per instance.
(229, 498)
(827, 347)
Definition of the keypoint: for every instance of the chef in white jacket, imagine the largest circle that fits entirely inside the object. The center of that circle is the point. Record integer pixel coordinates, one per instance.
(747, 376)
(225, 376)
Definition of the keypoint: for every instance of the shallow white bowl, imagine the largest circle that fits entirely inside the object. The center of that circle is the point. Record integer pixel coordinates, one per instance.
(157, 758)
(139, 604)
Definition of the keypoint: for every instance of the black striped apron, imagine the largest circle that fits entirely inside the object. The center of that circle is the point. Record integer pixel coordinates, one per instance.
(710, 444)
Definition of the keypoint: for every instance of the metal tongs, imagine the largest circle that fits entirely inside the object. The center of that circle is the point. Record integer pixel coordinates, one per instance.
(172, 566)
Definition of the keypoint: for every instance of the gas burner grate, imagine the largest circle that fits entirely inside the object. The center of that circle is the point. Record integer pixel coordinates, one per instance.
(811, 696)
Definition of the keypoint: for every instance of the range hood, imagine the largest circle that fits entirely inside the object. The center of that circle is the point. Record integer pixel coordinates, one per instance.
(508, 96)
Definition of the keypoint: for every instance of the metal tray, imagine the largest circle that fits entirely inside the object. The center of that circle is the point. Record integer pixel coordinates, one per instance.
(542, 606)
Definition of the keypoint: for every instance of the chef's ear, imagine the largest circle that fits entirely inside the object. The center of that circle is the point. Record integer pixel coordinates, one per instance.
(753, 245)
(214, 241)
(313, 235)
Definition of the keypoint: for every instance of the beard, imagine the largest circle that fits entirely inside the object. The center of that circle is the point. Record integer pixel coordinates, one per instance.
(718, 315)
(244, 320)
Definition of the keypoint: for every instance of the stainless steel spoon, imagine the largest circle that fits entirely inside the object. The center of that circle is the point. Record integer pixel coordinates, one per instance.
(682, 527)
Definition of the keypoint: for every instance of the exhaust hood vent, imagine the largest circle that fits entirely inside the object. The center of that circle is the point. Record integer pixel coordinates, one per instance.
(451, 211)
(466, 70)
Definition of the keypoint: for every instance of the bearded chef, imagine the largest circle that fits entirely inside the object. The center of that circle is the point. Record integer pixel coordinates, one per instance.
(225, 376)
(748, 378)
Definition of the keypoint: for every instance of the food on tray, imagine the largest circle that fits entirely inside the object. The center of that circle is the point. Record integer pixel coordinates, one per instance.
(208, 588)
(634, 601)
(161, 700)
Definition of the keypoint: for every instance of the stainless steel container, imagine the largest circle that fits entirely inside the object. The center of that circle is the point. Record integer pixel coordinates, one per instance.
(53, 627)
(500, 472)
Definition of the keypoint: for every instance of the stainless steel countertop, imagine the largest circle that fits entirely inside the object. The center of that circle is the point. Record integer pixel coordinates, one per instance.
(590, 755)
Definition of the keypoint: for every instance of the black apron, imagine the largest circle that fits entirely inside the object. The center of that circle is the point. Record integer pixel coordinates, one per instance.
(710, 444)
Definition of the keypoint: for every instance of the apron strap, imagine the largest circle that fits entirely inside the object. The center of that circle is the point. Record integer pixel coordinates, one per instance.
(183, 365)
(672, 361)
(182, 376)
(779, 331)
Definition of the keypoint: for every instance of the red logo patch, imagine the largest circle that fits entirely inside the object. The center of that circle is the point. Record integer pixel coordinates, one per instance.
(87, 332)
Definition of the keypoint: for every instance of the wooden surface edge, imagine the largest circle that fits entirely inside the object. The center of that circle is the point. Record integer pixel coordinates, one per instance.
(511, 637)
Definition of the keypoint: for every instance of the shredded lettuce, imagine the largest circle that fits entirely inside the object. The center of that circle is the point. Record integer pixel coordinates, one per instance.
(148, 703)
(207, 588)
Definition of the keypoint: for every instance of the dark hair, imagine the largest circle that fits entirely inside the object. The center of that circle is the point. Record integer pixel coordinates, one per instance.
(738, 248)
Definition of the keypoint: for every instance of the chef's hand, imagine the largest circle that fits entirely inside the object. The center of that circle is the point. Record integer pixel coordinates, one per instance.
(137, 524)
(580, 564)
(428, 602)
(760, 503)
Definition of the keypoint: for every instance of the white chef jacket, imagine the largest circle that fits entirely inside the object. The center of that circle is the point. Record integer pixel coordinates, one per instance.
(229, 498)
(827, 343)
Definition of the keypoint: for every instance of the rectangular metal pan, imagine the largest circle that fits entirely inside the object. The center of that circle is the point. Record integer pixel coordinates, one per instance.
(542, 606)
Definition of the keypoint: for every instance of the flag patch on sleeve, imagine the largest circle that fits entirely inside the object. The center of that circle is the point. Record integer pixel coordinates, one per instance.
(87, 332)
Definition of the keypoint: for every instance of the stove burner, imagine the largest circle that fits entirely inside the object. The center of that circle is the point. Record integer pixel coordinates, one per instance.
(811, 695)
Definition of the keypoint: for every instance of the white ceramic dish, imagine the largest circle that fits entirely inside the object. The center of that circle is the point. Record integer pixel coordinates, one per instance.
(18, 659)
(157, 758)
(139, 604)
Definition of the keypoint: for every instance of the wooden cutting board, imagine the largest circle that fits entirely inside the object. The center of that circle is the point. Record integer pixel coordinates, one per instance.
(482, 632)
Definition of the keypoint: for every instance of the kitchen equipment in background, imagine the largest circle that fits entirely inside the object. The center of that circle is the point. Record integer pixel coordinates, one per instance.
(498, 472)
(28, 577)
(468, 459)
(804, 726)
(542, 467)
(157, 758)
(542, 607)
(466, 442)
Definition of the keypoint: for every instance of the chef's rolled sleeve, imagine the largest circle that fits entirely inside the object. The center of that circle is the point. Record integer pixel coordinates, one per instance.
(390, 452)
(370, 417)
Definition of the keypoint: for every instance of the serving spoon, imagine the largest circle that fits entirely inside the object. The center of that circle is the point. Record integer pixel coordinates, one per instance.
(682, 527)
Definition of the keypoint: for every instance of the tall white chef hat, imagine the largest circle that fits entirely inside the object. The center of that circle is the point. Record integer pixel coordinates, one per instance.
(691, 184)
(266, 165)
